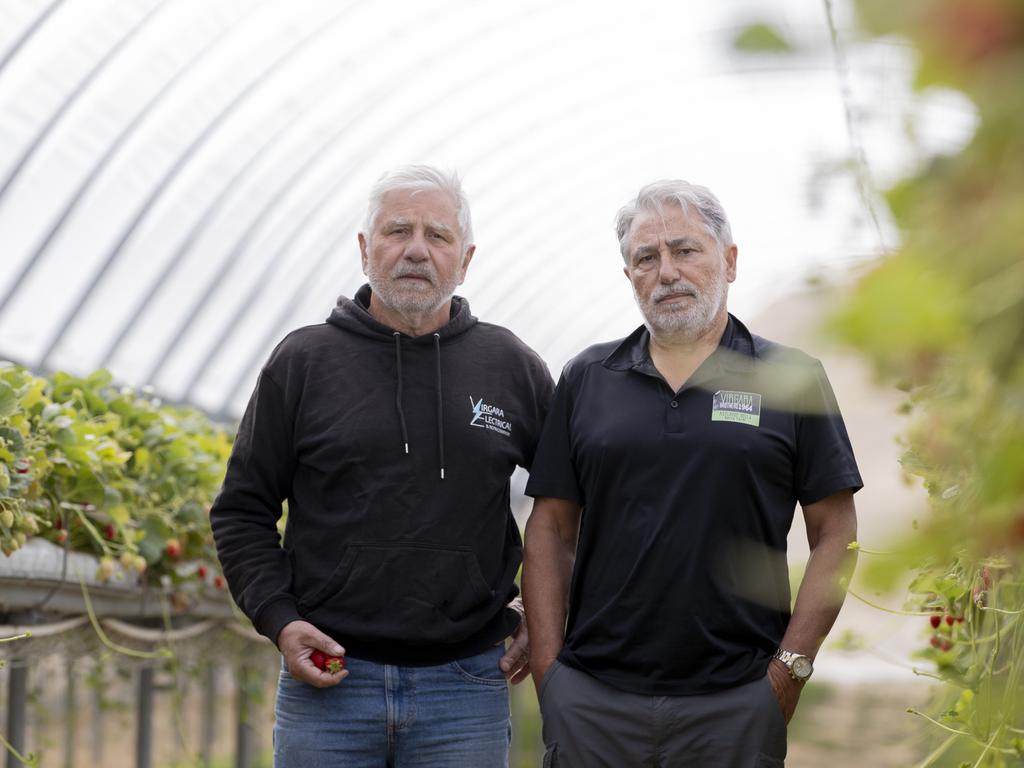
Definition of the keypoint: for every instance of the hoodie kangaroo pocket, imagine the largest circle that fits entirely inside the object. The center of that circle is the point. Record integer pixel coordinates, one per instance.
(416, 593)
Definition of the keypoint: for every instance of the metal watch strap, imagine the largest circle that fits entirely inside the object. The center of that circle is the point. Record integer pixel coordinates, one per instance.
(788, 657)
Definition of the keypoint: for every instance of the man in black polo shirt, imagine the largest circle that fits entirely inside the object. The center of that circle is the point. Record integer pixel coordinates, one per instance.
(668, 472)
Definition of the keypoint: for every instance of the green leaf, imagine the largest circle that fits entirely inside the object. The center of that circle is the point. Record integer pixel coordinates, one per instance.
(88, 488)
(13, 439)
(8, 399)
(761, 38)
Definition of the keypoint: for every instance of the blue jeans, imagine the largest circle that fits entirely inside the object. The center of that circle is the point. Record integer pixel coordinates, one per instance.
(453, 715)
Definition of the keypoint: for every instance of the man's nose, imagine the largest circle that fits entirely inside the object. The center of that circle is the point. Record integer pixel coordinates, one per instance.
(668, 270)
(416, 249)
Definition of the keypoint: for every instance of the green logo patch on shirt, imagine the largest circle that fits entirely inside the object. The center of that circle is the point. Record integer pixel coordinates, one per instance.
(740, 407)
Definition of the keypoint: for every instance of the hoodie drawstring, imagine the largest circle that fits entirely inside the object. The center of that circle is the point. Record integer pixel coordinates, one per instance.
(398, 392)
(440, 399)
(440, 403)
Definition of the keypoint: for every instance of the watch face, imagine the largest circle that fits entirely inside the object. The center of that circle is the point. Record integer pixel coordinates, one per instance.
(802, 667)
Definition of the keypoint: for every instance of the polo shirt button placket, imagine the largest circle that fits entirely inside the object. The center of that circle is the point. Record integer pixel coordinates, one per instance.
(674, 417)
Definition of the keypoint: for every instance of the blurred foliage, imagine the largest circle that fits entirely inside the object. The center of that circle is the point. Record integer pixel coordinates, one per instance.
(110, 472)
(761, 38)
(943, 318)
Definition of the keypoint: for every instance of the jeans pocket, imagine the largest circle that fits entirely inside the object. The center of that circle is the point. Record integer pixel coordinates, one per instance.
(482, 668)
(551, 757)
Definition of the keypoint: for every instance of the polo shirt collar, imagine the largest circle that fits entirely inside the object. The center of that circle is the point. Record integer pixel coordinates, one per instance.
(735, 351)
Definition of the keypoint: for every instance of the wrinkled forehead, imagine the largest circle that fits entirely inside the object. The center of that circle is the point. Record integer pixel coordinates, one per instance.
(418, 204)
(667, 221)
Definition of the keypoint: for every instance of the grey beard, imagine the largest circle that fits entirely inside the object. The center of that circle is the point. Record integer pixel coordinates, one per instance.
(692, 320)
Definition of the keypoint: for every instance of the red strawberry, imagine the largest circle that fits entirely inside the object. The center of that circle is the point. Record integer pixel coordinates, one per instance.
(946, 645)
(173, 548)
(218, 581)
(935, 620)
(936, 641)
(110, 531)
(21, 466)
(201, 572)
(950, 619)
(322, 661)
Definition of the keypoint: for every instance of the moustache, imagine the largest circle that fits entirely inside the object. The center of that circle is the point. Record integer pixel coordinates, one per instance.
(676, 289)
(421, 273)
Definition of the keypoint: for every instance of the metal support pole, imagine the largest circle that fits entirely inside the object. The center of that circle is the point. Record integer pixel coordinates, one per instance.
(70, 715)
(98, 715)
(144, 720)
(245, 734)
(209, 725)
(17, 697)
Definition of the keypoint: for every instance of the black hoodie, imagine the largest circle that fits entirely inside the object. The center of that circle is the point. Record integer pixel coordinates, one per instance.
(394, 454)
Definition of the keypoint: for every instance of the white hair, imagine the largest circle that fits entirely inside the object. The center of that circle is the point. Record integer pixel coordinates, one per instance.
(656, 195)
(420, 177)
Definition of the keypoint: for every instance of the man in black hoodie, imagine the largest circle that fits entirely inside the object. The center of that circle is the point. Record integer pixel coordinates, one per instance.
(392, 431)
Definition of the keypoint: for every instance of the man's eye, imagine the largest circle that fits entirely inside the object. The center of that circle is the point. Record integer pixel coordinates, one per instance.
(645, 259)
(683, 251)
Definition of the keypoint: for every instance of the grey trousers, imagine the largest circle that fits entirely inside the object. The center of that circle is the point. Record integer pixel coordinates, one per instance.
(587, 724)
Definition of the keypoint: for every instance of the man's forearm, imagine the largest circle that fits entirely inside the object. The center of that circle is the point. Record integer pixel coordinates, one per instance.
(832, 527)
(550, 547)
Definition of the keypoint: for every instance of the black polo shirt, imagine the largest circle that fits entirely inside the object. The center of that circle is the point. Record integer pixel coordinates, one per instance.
(681, 584)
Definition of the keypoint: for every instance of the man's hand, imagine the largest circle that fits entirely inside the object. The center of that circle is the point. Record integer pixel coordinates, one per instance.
(787, 690)
(516, 661)
(297, 641)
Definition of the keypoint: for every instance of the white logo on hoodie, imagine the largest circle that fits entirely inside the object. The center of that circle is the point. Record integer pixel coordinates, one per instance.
(489, 417)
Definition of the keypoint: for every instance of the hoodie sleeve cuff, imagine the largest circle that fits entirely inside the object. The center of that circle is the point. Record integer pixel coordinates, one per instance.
(273, 618)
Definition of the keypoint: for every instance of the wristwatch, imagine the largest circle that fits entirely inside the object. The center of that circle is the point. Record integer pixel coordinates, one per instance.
(799, 666)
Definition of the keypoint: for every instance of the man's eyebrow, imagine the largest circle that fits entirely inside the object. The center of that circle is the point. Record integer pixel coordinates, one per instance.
(437, 226)
(686, 241)
(398, 221)
(643, 250)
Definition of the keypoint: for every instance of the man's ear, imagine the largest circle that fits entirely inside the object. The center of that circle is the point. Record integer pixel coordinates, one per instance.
(730, 262)
(364, 256)
(465, 263)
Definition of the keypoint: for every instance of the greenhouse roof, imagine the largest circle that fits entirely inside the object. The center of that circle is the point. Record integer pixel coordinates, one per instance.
(182, 181)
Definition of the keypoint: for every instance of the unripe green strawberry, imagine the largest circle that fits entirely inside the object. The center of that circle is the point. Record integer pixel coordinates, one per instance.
(105, 569)
(6, 518)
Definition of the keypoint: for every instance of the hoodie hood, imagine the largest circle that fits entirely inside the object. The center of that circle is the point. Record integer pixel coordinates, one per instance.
(353, 315)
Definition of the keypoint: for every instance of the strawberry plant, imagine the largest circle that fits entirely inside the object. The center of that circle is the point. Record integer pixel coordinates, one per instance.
(108, 471)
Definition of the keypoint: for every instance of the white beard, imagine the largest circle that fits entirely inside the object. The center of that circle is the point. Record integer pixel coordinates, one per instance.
(691, 319)
(417, 298)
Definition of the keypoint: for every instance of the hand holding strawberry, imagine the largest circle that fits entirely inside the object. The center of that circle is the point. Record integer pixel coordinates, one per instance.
(302, 646)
